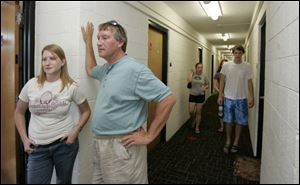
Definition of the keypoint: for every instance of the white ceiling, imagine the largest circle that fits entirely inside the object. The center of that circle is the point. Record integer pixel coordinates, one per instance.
(236, 20)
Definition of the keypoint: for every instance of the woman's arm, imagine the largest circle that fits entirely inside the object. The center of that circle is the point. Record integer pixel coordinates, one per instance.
(206, 84)
(216, 85)
(21, 125)
(190, 77)
(85, 113)
(221, 90)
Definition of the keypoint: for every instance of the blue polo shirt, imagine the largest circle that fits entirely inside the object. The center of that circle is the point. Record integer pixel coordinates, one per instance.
(125, 88)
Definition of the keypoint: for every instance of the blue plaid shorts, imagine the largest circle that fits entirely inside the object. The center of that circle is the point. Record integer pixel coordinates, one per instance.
(236, 111)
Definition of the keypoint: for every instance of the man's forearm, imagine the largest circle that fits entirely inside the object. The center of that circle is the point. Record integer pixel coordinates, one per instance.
(90, 60)
(221, 88)
(250, 89)
(161, 116)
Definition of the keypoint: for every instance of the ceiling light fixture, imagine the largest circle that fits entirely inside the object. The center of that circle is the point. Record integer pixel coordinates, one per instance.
(225, 36)
(211, 8)
(229, 47)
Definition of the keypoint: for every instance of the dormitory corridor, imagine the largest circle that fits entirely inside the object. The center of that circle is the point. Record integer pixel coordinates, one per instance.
(169, 37)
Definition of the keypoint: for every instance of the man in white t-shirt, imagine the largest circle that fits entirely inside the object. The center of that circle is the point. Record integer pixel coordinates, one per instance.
(237, 95)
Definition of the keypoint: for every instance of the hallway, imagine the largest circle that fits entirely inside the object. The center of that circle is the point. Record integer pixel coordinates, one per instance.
(197, 159)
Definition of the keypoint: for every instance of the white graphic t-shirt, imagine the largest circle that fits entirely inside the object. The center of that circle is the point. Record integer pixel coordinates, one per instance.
(50, 109)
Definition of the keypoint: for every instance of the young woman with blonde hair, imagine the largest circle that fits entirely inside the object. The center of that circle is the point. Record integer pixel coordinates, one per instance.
(52, 139)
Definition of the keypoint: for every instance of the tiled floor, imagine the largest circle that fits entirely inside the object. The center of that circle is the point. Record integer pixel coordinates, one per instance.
(197, 159)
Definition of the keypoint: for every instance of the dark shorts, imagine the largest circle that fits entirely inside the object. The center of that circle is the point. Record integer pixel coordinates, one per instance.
(197, 99)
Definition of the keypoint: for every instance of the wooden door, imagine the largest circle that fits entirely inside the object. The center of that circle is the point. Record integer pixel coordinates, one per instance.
(155, 63)
(8, 131)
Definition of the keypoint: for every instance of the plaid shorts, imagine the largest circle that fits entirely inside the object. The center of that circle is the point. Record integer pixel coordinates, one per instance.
(236, 111)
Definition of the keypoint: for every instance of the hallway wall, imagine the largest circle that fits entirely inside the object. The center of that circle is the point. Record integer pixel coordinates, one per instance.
(182, 55)
(281, 139)
(280, 148)
(253, 57)
(59, 22)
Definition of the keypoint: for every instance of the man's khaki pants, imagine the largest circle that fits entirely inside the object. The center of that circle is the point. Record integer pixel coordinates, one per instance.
(116, 164)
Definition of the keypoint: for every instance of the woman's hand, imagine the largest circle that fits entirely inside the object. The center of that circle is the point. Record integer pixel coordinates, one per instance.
(71, 136)
(29, 146)
(220, 99)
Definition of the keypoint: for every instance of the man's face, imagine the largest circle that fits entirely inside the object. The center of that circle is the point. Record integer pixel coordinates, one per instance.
(107, 44)
(238, 54)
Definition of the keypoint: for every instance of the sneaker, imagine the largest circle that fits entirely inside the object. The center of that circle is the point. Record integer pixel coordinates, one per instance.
(197, 131)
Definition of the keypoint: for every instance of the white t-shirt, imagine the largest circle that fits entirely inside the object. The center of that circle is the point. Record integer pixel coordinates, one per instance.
(50, 109)
(236, 77)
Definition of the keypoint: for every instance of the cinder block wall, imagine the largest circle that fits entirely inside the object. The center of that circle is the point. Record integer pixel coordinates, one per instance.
(280, 155)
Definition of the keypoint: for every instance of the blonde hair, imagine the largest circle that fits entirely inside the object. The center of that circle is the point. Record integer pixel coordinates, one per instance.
(64, 75)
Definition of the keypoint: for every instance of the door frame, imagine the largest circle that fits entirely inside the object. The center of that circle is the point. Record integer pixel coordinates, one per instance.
(164, 32)
(261, 86)
(200, 52)
(212, 73)
(26, 72)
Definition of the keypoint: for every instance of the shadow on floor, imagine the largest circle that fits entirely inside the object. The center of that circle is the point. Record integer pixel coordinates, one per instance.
(189, 158)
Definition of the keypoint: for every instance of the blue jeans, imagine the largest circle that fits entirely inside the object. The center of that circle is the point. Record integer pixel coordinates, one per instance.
(43, 158)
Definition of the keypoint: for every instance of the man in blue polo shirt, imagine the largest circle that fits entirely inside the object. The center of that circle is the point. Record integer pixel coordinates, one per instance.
(126, 86)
